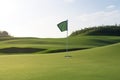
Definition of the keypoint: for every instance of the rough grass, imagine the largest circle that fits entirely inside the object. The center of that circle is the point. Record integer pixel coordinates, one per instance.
(93, 64)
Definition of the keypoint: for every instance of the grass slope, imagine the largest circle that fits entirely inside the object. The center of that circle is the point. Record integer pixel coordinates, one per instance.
(93, 64)
(55, 45)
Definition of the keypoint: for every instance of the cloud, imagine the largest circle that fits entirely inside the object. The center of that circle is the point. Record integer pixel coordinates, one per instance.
(111, 7)
(100, 18)
(70, 1)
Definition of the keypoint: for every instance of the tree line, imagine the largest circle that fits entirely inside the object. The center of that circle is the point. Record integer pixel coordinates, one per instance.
(110, 30)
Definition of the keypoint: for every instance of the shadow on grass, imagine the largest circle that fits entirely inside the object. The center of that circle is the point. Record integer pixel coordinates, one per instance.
(64, 50)
(20, 50)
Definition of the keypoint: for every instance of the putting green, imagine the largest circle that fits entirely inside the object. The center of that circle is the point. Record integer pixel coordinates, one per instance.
(93, 64)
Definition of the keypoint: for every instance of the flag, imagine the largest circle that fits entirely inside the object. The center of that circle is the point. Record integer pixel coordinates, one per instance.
(63, 26)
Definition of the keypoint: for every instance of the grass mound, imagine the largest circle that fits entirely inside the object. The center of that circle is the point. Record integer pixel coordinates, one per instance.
(64, 50)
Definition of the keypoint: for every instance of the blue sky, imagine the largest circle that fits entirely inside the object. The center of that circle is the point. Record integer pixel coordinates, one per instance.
(39, 18)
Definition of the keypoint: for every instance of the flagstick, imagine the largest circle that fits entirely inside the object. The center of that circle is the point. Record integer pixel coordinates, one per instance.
(67, 54)
(67, 42)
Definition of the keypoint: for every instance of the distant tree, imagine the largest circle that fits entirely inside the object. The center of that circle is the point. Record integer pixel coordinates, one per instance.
(4, 34)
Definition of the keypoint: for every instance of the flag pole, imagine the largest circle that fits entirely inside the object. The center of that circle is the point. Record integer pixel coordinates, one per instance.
(67, 39)
(67, 42)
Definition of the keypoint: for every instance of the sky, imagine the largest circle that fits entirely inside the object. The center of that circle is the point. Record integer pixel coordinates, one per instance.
(39, 18)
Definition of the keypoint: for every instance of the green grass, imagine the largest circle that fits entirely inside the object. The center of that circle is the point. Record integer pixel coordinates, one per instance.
(59, 44)
(100, 62)
(93, 64)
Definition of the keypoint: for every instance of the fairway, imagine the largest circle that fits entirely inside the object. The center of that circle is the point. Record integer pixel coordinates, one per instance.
(100, 63)
(54, 45)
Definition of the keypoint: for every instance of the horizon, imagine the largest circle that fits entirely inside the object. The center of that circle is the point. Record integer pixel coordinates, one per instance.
(38, 18)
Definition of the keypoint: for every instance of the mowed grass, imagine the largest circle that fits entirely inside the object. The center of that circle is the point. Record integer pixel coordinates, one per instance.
(58, 44)
(102, 63)
(99, 62)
